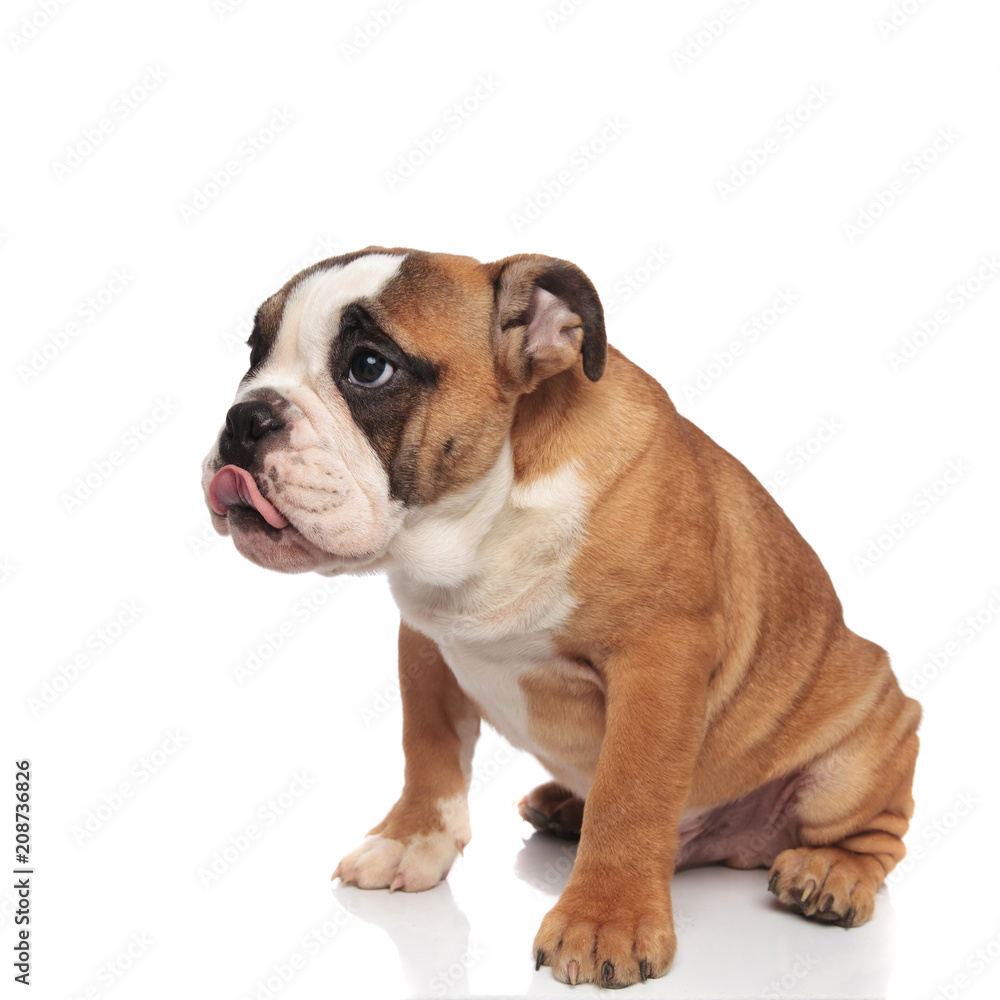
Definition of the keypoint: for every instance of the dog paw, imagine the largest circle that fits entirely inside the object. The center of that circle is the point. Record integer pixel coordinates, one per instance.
(404, 853)
(826, 883)
(553, 809)
(613, 942)
(383, 863)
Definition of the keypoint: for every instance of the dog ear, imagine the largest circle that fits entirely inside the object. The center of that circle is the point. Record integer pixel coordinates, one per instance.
(547, 313)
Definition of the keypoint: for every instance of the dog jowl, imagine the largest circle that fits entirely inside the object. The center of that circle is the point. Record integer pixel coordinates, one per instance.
(582, 568)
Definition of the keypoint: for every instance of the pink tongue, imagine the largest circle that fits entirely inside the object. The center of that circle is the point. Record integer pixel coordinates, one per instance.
(234, 487)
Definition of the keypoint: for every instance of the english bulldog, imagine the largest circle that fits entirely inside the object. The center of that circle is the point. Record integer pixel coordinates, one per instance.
(584, 569)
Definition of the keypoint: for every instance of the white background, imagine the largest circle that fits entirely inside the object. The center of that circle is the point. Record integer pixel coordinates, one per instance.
(642, 141)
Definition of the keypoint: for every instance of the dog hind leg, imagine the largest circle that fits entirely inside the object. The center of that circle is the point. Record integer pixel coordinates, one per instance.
(553, 809)
(853, 812)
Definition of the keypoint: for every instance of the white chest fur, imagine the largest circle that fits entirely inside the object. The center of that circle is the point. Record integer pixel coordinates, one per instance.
(486, 576)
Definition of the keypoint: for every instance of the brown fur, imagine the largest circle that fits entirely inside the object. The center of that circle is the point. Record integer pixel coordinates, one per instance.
(707, 697)
(451, 299)
(726, 662)
(722, 663)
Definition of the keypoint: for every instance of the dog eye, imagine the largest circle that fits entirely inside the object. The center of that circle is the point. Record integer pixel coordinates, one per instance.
(368, 368)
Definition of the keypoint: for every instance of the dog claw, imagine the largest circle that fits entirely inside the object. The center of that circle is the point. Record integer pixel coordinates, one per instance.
(573, 972)
(607, 972)
(827, 904)
(848, 920)
(398, 882)
(773, 882)
(644, 970)
(539, 959)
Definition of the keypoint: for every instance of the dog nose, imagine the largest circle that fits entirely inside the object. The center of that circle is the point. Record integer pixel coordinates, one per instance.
(246, 424)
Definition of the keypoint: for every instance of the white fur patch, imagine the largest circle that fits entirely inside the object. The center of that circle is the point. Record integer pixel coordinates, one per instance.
(419, 863)
(329, 482)
(560, 491)
(486, 576)
(333, 487)
(312, 311)
(492, 563)
(440, 545)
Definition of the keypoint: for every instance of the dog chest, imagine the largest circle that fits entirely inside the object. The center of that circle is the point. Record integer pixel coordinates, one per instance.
(488, 578)
(498, 637)
(548, 705)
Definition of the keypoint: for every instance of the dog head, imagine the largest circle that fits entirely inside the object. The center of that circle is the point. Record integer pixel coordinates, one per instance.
(380, 382)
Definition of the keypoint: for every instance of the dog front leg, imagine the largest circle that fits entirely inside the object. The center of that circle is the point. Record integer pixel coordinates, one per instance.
(414, 847)
(613, 924)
